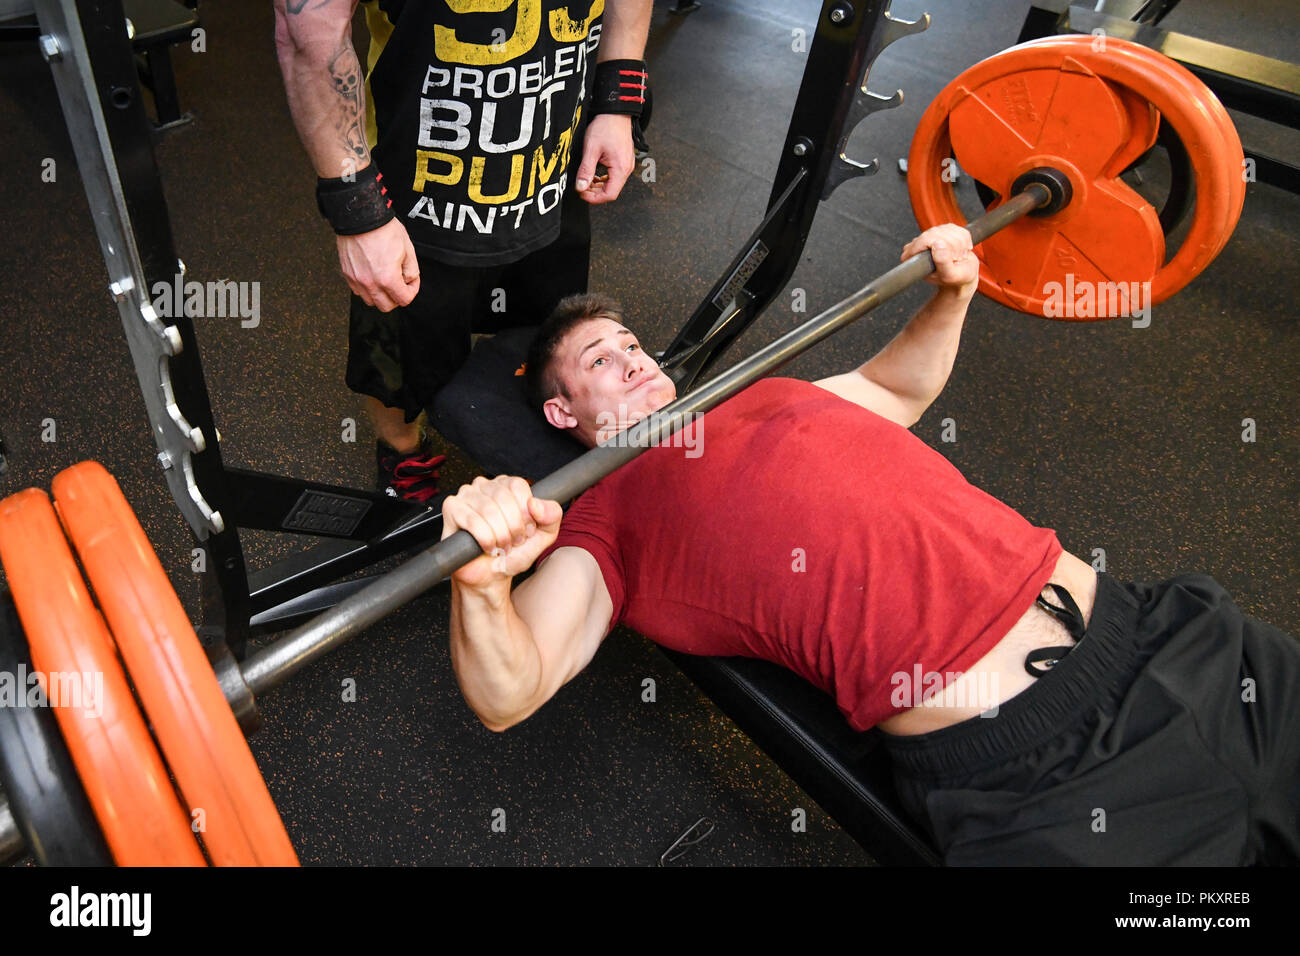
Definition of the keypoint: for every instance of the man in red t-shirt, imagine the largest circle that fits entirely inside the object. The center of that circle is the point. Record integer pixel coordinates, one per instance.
(1037, 712)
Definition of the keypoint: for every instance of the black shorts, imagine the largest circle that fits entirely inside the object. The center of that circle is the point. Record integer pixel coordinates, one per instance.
(1170, 734)
(404, 357)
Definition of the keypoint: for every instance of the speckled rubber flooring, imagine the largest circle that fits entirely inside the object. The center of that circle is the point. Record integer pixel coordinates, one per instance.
(1128, 440)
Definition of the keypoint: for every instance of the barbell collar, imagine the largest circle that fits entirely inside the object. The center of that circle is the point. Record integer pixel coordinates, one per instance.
(1057, 183)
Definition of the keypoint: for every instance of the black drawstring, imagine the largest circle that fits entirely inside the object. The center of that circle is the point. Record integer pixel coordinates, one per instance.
(1069, 615)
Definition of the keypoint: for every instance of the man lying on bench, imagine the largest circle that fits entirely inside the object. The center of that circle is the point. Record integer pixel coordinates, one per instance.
(1036, 712)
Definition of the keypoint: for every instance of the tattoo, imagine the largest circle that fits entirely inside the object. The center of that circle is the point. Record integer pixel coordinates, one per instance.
(296, 7)
(345, 76)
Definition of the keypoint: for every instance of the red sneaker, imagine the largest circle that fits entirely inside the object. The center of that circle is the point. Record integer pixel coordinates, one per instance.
(413, 475)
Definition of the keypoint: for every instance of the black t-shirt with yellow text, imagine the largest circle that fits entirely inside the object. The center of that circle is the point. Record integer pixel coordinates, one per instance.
(475, 116)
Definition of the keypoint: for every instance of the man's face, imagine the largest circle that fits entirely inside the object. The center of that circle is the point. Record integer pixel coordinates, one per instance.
(611, 382)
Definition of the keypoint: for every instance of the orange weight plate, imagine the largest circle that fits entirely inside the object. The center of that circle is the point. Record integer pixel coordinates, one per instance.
(195, 727)
(125, 780)
(1233, 169)
(1233, 156)
(1144, 126)
(1071, 104)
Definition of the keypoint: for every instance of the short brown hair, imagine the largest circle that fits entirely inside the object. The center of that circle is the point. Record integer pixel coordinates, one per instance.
(540, 381)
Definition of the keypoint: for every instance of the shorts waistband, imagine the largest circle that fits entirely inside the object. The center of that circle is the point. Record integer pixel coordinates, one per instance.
(1096, 670)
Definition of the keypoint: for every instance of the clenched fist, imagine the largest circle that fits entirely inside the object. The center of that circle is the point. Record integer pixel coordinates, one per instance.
(956, 266)
(509, 524)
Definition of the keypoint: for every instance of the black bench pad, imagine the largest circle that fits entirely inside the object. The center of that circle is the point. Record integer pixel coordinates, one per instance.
(485, 411)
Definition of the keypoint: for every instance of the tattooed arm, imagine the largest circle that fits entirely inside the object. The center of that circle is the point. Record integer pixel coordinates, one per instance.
(323, 81)
(322, 78)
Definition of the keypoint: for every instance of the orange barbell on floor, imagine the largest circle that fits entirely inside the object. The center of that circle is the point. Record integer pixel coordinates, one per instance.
(196, 729)
(126, 782)
(1084, 108)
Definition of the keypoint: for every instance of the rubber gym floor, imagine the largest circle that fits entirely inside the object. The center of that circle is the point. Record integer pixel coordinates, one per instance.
(1119, 438)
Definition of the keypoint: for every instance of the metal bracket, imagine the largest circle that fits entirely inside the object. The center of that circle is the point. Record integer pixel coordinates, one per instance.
(842, 168)
(151, 340)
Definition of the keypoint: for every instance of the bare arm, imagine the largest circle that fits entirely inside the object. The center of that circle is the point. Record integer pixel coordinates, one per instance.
(625, 28)
(513, 651)
(324, 84)
(608, 140)
(323, 81)
(901, 380)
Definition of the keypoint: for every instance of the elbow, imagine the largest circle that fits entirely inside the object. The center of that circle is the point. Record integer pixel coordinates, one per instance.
(910, 407)
(289, 54)
(917, 410)
(502, 718)
(284, 49)
(496, 724)
(294, 52)
(313, 43)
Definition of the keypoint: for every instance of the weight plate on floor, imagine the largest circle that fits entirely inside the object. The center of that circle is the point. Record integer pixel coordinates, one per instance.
(38, 776)
(195, 727)
(125, 779)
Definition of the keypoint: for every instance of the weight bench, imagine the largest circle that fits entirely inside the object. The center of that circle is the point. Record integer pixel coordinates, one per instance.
(484, 411)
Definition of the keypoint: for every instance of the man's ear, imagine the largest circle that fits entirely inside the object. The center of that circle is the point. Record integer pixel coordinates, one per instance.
(558, 414)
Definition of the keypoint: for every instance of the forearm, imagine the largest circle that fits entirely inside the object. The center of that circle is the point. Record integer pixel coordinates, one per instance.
(323, 83)
(494, 655)
(917, 362)
(625, 28)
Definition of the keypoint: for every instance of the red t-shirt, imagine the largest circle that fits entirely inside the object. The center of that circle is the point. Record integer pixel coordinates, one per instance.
(795, 526)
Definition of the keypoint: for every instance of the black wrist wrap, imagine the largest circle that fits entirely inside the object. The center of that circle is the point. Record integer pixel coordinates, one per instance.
(354, 207)
(620, 87)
